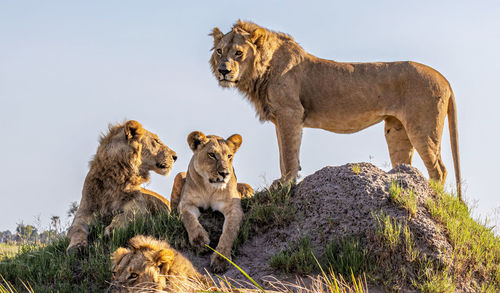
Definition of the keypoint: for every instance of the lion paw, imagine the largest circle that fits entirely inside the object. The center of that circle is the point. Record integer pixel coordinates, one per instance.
(199, 240)
(280, 183)
(218, 263)
(77, 248)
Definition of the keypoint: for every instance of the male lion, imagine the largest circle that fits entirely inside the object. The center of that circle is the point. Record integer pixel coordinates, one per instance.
(112, 187)
(151, 265)
(210, 182)
(294, 89)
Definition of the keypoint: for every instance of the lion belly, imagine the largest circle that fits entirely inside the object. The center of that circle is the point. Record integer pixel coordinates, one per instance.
(342, 124)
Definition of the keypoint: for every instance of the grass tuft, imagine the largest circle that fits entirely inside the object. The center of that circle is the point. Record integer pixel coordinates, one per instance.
(298, 258)
(388, 229)
(406, 199)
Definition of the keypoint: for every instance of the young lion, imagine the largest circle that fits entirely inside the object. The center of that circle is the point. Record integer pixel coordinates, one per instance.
(150, 265)
(210, 182)
(112, 187)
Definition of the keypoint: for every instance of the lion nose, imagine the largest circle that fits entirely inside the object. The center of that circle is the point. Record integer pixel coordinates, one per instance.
(224, 71)
(174, 157)
(223, 174)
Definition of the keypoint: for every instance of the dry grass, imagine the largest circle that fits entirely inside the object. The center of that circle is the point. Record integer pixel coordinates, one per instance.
(8, 250)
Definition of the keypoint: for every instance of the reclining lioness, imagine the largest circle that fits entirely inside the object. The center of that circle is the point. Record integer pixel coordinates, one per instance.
(112, 188)
(210, 182)
(151, 265)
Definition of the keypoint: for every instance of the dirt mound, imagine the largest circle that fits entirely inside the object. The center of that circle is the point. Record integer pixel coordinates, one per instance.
(343, 202)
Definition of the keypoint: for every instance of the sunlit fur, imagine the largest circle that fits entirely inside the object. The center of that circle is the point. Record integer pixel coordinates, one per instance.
(210, 182)
(112, 188)
(294, 89)
(149, 265)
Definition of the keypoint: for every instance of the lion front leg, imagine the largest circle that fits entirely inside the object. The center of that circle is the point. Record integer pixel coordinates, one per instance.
(233, 216)
(289, 134)
(79, 231)
(175, 196)
(198, 236)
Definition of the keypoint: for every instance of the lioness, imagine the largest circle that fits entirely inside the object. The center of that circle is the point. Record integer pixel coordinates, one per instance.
(112, 187)
(150, 265)
(210, 182)
(294, 89)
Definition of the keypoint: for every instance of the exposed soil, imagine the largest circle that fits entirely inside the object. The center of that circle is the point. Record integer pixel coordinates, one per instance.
(336, 202)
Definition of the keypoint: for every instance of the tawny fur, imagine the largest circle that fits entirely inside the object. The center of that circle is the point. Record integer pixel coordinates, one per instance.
(294, 89)
(112, 188)
(210, 182)
(150, 265)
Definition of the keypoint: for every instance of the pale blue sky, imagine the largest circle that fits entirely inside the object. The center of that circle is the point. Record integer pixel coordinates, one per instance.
(68, 68)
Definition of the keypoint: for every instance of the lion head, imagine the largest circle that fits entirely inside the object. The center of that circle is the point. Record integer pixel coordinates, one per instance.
(243, 54)
(149, 265)
(213, 156)
(138, 147)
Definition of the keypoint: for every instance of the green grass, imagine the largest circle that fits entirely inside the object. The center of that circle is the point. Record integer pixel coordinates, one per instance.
(347, 256)
(49, 269)
(388, 229)
(476, 249)
(266, 209)
(298, 258)
(405, 198)
(393, 260)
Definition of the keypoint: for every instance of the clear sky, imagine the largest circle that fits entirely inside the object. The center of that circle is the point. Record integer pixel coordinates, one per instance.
(68, 68)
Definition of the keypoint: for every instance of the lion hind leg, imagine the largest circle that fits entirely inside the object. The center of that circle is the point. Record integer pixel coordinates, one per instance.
(175, 196)
(245, 190)
(400, 148)
(131, 210)
(428, 147)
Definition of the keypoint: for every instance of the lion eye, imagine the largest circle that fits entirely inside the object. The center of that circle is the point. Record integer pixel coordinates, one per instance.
(238, 53)
(114, 274)
(133, 276)
(229, 156)
(211, 155)
(219, 51)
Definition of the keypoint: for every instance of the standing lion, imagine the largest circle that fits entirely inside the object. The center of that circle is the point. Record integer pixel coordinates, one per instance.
(294, 89)
(112, 188)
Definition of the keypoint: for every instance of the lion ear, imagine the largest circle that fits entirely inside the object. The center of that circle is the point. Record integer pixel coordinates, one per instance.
(259, 37)
(217, 34)
(118, 255)
(164, 259)
(133, 130)
(196, 139)
(235, 142)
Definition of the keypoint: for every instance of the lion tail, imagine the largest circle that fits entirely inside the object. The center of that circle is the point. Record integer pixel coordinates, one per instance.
(453, 128)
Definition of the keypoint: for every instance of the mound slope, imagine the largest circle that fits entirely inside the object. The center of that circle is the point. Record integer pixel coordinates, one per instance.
(342, 202)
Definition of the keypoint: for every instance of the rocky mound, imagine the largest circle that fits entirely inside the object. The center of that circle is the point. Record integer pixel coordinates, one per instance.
(351, 201)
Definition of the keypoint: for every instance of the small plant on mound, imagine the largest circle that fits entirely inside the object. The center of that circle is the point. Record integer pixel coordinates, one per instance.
(298, 258)
(346, 257)
(388, 229)
(356, 168)
(406, 199)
